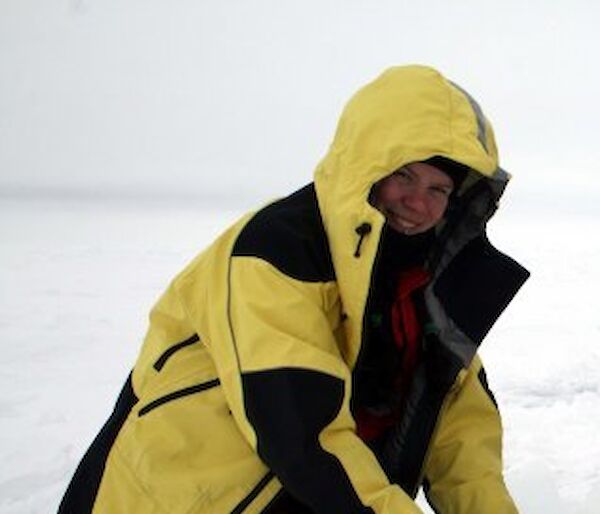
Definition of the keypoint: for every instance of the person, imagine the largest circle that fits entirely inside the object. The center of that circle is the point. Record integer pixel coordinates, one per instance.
(321, 355)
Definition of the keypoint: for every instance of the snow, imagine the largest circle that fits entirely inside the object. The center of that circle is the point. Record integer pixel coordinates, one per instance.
(79, 277)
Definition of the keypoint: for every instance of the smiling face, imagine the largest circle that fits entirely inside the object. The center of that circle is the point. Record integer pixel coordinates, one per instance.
(414, 198)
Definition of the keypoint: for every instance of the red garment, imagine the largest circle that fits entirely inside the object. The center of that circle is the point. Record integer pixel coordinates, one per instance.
(406, 327)
(406, 331)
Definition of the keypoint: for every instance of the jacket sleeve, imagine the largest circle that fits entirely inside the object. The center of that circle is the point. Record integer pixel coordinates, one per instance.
(463, 474)
(294, 393)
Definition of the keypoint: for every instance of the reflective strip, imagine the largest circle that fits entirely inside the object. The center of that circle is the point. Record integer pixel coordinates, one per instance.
(450, 335)
(501, 175)
(481, 132)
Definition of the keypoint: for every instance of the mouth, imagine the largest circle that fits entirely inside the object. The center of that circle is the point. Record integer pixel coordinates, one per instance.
(401, 222)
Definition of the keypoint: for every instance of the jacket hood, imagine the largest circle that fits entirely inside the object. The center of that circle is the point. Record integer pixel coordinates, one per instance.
(407, 114)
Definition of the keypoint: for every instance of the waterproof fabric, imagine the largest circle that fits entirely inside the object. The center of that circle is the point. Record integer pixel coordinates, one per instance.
(244, 383)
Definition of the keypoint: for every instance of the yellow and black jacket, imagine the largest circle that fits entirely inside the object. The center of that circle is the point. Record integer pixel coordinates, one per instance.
(243, 386)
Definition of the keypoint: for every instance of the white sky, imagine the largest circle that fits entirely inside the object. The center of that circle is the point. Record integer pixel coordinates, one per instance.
(212, 97)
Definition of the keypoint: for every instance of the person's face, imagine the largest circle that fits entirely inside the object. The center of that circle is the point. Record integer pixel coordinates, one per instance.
(414, 198)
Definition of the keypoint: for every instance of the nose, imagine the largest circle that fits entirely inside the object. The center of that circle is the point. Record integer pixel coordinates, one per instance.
(416, 200)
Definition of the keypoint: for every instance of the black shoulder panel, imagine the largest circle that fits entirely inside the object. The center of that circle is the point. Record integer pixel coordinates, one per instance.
(478, 285)
(288, 408)
(290, 235)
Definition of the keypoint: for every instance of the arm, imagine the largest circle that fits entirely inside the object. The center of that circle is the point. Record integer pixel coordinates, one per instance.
(464, 469)
(295, 388)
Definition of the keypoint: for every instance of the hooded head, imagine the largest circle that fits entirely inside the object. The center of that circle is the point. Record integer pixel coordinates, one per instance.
(407, 115)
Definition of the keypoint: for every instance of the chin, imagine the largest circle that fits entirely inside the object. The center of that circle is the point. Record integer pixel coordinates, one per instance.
(407, 231)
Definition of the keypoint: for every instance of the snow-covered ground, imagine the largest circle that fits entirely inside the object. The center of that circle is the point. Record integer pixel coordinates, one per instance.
(77, 279)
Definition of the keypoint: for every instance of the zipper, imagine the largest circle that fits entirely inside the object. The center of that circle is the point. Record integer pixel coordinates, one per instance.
(166, 355)
(459, 380)
(178, 394)
(252, 495)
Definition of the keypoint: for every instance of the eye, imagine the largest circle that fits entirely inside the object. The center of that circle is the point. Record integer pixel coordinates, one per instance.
(441, 191)
(403, 174)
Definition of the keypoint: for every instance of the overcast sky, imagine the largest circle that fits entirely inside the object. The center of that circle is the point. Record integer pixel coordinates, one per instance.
(240, 98)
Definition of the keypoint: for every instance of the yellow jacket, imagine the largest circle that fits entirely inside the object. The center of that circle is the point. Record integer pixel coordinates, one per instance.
(244, 381)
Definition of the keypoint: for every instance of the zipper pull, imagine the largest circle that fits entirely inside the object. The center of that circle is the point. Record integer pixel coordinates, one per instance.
(362, 230)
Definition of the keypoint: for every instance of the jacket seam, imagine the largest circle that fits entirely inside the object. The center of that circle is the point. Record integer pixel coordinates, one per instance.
(135, 477)
(229, 320)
